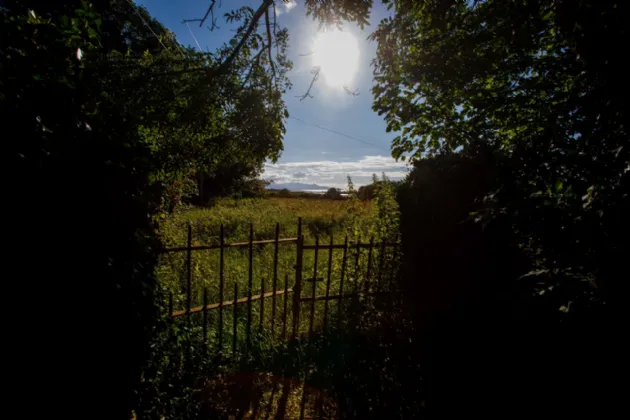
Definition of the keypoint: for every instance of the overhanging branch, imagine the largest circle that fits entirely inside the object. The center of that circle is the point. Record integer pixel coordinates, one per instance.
(205, 17)
(222, 68)
(269, 43)
(315, 73)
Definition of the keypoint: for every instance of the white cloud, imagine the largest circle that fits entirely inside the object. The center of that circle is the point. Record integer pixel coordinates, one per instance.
(290, 4)
(334, 173)
(285, 7)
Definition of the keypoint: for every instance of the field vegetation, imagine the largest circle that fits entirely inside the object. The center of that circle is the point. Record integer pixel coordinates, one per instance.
(323, 220)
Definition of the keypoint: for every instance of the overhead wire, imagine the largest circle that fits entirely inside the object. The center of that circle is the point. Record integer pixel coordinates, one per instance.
(135, 9)
(340, 133)
(194, 37)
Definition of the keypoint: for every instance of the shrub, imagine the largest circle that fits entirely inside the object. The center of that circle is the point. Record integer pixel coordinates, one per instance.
(333, 194)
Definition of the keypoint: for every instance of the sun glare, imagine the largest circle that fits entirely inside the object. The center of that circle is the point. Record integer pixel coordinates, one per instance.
(337, 54)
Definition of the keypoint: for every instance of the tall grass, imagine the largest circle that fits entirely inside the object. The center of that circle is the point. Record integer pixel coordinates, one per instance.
(321, 218)
(182, 362)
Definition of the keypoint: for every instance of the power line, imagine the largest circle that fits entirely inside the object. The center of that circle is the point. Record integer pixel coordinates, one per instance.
(135, 9)
(340, 133)
(194, 37)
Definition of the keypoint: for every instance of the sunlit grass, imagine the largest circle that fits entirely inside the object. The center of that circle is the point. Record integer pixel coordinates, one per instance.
(320, 218)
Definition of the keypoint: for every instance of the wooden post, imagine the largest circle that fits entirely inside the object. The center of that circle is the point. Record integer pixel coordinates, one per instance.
(250, 285)
(356, 266)
(275, 282)
(381, 261)
(310, 327)
(262, 303)
(368, 273)
(205, 317)
(343, 272)
(235, 319)
(189, 271)
(297, 289)
(330, 255)
(284, 317)
(222, 243)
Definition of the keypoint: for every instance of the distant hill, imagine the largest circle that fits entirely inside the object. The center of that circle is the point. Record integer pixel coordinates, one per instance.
(296, 186)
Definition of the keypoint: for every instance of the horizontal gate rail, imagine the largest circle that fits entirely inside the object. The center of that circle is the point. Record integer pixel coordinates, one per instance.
(342, 246)
(232, 245)
(324, 297)
(231, 302)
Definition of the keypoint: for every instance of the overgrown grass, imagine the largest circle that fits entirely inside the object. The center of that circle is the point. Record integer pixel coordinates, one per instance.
(183, 362)
(349, 372)
(321, 218)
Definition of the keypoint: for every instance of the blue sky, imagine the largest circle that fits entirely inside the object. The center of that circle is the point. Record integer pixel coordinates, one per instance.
(311, 154)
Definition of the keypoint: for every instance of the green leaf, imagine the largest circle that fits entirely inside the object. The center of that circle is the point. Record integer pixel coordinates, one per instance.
(92, 33)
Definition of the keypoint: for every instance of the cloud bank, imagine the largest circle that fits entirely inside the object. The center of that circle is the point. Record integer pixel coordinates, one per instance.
(334, 173)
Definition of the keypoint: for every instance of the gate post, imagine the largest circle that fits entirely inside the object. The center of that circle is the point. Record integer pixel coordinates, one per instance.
(297, 289)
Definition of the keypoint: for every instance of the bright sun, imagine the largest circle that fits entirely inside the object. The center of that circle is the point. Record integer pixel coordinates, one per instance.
(337, 54)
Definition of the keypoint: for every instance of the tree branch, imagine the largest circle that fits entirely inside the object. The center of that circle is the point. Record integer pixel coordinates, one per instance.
(205, 17)
(351, 92)
(275, 28)
(256, 58)
(252, 25)
(315, 73)
(269, 43)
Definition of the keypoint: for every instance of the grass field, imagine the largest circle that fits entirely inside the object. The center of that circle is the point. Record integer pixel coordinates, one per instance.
(320, 218)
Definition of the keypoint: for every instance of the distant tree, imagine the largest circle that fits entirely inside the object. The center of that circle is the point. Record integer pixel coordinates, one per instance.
(255, 188)
(366, 192)
(333, 193)
(284, 193)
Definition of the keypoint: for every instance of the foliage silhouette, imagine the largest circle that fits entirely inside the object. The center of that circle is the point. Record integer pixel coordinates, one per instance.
(109, 120)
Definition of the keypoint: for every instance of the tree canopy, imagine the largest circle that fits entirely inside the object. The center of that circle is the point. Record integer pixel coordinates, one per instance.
(538, 84)
(106, 118)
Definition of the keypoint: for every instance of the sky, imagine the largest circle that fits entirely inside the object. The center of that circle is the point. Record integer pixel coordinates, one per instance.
(331, 135)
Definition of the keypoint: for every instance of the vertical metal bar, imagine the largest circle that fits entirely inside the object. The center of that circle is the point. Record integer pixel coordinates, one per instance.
(319, 404)
(395, 256)
(222, 244)
(234, 319)
(205, 316)
(356, 266)
(262, 303)
(330, 255)
(170, 313)
(189, 271)
(286, 297)
(310, 327)
(249, 284)
(297, 291)
(303, 401)
(368, 273)
(381, 261)
(275, 282)
(343, 272)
